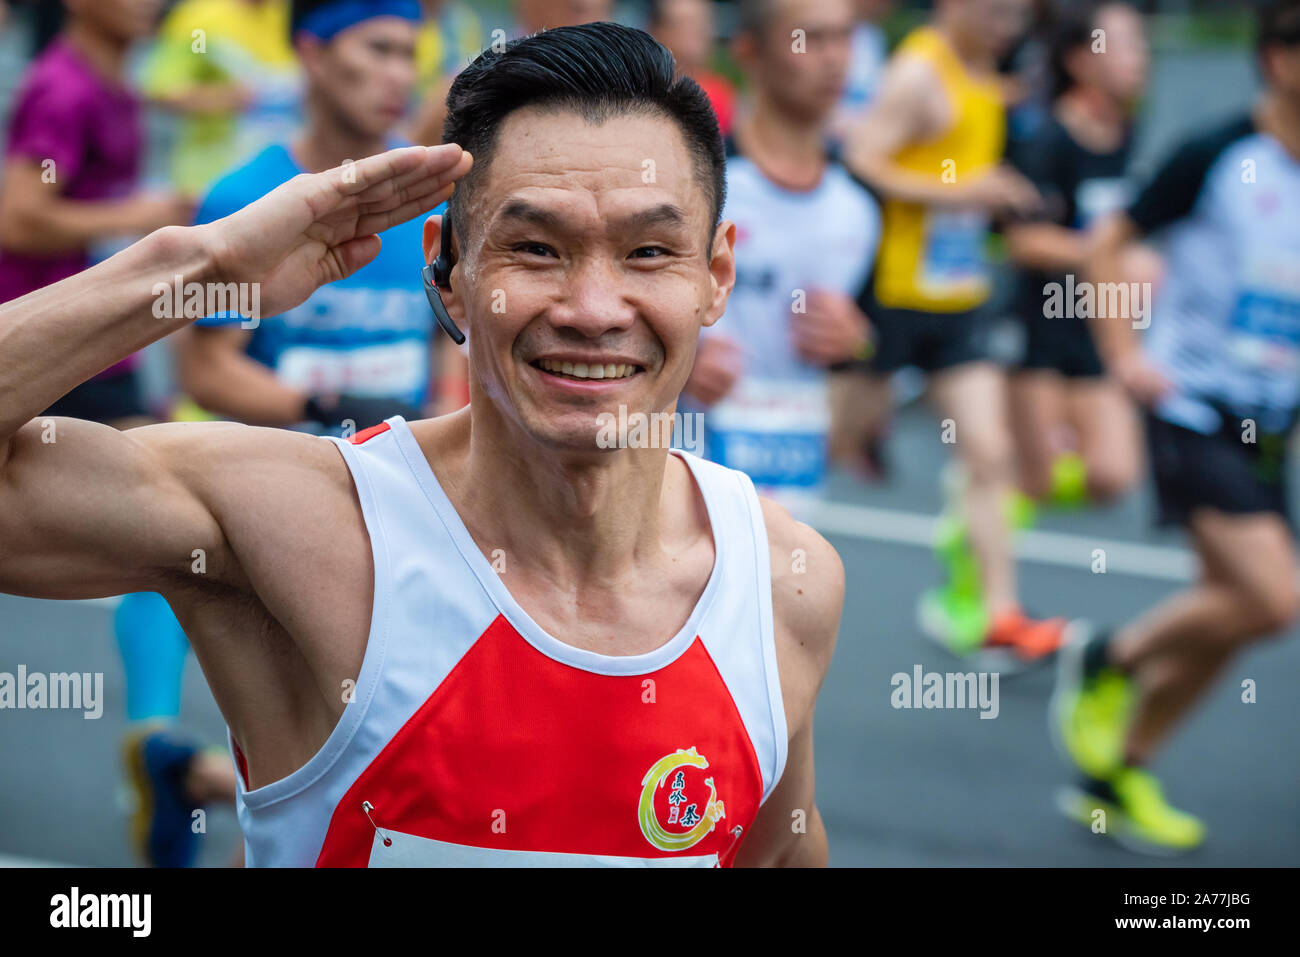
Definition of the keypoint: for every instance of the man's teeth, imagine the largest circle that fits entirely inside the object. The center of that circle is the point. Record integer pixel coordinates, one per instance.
(583, 370)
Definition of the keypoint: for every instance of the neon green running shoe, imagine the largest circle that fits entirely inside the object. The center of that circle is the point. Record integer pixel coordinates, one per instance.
(1069, 481)
(1089, 715)
(958, 621)
(1130, 806)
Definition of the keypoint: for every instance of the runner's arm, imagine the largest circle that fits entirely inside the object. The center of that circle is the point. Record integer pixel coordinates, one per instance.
(902, 114)
(897, 118)
(216, 371)
(1046, 246)
(807, 598)
(88, 511)
(1116, 339)
(35, 218)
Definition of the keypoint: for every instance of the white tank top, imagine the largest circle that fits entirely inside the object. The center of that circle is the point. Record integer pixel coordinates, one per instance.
(474, 738)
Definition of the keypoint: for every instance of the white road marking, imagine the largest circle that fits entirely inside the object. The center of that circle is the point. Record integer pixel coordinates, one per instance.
(1161, 562)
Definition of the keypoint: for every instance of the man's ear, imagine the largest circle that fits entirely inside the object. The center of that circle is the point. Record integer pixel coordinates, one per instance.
(722, 270)
(432, 244)
(432, 238)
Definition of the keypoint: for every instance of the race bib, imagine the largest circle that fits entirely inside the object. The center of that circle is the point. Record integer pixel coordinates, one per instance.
(1264, 330)
(952, 256)
(393, 369)
(775, 431)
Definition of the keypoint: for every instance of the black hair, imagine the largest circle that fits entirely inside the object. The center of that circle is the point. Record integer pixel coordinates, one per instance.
(597, 70)
(1072, 28)
(1278, 25)
(298, 11)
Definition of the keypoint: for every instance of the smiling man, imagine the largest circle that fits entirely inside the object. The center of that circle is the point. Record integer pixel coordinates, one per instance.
(481, 639)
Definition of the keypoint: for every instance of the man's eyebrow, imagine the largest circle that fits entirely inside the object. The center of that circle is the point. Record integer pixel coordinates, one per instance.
(663, 214)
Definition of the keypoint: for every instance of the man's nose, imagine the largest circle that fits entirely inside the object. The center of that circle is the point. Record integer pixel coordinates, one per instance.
(593, 302)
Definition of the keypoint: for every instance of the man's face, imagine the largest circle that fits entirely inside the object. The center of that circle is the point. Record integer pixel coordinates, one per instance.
(992, 25)
(1122, 70)
(802, 58)
(1283, 71)
(366, 73)
(686, 28)
(123, 19)
(537, 15)
(588, 248)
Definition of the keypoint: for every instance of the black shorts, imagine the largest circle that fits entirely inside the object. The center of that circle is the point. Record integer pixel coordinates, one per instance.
(929, 341)
(103, 400)
(1221, 471)
(1060, 345)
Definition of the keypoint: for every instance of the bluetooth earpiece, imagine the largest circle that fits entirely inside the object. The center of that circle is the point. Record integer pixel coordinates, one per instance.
(437, 275)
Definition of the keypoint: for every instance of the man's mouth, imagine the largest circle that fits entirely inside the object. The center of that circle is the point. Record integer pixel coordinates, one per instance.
(586, 370)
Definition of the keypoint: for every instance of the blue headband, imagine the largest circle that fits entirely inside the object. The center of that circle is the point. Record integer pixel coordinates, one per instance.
(328, 21)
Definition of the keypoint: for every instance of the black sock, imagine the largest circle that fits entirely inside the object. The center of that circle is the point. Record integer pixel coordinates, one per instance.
(1096, 652)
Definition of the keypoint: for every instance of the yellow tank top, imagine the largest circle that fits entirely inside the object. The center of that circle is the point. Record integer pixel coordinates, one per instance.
(933, 260)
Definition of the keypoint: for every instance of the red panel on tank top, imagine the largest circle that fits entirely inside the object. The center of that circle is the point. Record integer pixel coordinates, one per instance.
(517, 751)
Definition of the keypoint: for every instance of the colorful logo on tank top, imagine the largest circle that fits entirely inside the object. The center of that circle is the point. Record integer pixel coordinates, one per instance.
(673, 812)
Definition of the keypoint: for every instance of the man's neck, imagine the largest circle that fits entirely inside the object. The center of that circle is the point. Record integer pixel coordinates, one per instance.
(1094, 118)
(789, 150)
(105, 54)
(579, 517)
(325, 144)
(1280, 118)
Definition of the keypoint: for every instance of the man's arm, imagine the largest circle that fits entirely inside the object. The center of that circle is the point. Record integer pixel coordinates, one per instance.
(216, 371)
(807, 598)
(902, 114)
(64, 530)
(35, 218)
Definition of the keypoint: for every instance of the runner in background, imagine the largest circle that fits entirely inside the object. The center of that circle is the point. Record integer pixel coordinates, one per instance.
(868, 54)
(534, 16)
(1026, 71)
(450, 38)
(1077, 437)
(806, 235)
(73, 159)
(932, 146)
(859, 402)
(225, 67)
(688, 29)
(1219, 374)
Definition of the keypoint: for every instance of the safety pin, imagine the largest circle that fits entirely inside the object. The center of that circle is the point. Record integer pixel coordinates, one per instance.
(367, 807)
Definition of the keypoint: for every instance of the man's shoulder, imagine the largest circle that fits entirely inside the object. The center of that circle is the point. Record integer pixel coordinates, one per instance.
(807, 582)
(220, 458)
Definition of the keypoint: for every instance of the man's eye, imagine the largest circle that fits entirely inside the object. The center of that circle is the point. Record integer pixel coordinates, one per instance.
(649, 252)
(535, 249)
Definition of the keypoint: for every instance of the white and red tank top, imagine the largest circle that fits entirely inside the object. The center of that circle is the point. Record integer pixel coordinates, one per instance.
(474, 738)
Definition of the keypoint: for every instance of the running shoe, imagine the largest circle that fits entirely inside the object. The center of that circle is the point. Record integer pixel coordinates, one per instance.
(956, 620)
(1090, 712)
(1130, 806)
(1030, 640)
(157, 763)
